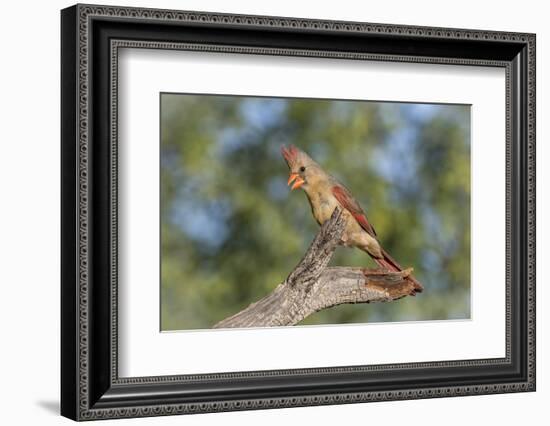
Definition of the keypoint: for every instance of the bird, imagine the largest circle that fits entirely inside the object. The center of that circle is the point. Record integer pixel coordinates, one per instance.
(325, 193)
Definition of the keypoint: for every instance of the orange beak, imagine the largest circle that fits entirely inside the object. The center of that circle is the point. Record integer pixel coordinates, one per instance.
(298, 181)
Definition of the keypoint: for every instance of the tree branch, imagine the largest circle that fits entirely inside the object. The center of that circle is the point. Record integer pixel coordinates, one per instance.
(311, 286)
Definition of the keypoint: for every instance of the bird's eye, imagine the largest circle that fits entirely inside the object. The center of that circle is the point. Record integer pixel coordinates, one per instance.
(302, 169)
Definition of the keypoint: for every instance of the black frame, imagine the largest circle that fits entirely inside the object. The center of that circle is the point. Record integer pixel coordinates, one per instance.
(91, 37)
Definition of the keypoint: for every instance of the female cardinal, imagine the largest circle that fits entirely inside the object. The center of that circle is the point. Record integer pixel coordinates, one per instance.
(325, 194)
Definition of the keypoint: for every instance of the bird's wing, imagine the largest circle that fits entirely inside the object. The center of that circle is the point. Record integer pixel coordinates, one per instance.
(347, 201)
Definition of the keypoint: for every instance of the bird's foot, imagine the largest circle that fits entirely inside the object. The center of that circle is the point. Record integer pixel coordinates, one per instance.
(344, 241)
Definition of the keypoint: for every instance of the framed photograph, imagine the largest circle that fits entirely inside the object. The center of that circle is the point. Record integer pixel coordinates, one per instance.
(263, 212)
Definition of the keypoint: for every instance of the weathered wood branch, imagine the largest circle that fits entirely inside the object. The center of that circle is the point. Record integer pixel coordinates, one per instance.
(312, 286)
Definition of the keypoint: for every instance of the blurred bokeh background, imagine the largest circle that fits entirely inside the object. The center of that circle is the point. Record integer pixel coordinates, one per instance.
(231, 230)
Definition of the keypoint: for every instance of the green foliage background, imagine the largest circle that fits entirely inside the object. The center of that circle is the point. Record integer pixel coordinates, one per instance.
(231, 229)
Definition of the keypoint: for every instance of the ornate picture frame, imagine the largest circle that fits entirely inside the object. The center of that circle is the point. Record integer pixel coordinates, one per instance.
(91, 37)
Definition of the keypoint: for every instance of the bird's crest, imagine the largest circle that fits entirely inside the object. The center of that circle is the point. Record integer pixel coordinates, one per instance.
(295, 156)
(290, 154)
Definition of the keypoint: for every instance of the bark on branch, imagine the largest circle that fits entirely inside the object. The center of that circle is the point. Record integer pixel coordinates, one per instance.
(312, 286)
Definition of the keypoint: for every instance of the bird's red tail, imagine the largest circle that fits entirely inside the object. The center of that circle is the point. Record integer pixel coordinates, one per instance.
(389, 263)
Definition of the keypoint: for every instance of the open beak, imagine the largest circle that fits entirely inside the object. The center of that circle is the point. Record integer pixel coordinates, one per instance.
(298, 181)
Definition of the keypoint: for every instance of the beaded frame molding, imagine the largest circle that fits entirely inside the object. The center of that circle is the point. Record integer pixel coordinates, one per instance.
(91, 38)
